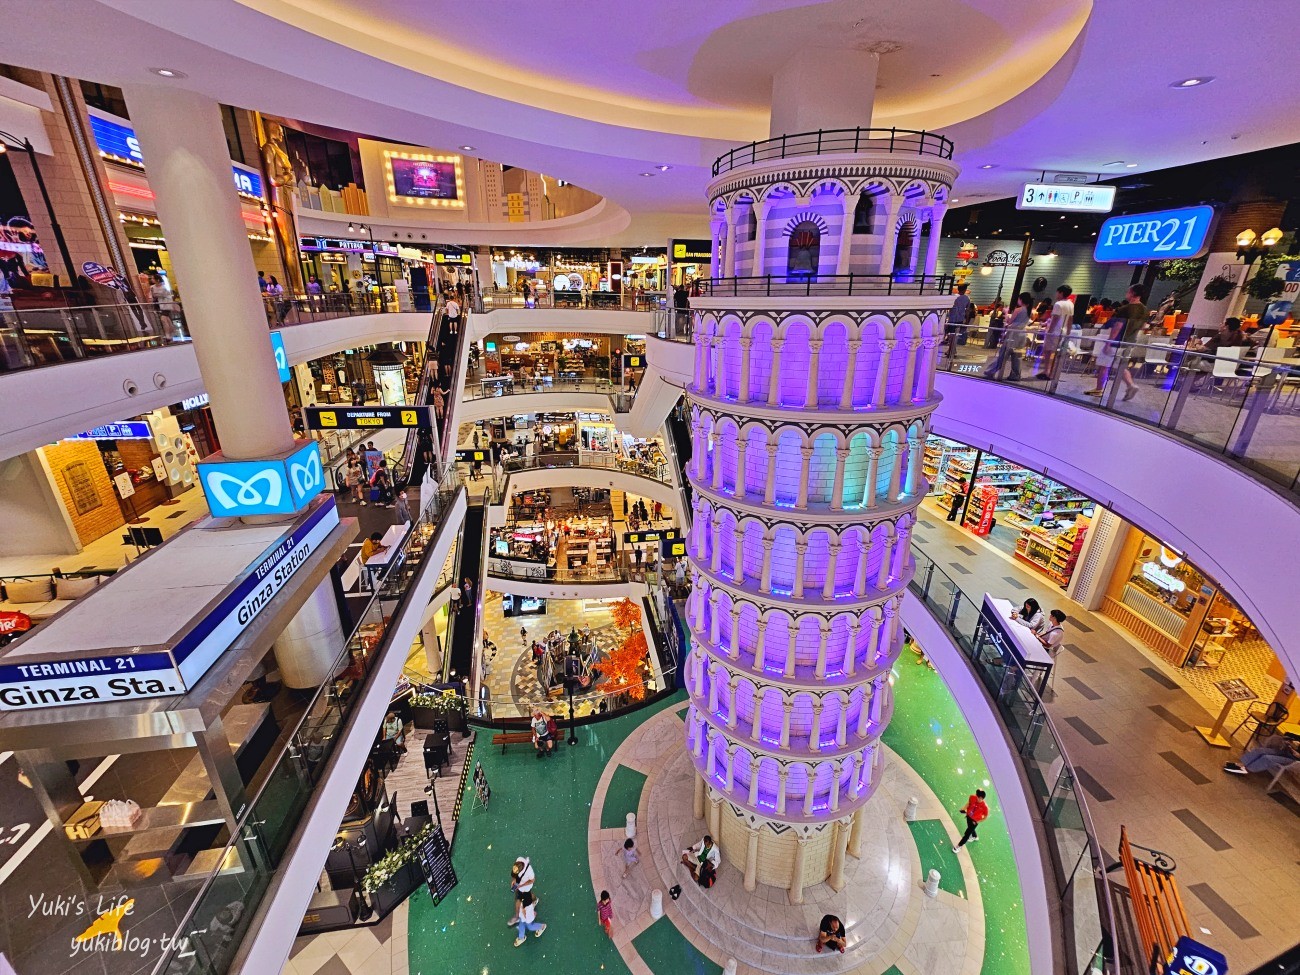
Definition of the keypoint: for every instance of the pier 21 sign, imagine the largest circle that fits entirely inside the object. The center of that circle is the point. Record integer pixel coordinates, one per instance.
(1158, 236)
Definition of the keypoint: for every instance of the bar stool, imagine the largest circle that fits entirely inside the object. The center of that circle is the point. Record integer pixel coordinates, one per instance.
(1266, 720)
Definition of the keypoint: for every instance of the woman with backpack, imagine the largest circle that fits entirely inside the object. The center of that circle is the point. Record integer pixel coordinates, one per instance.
(382, 483)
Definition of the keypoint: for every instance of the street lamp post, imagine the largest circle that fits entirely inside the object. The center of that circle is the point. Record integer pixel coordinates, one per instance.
(9, 141)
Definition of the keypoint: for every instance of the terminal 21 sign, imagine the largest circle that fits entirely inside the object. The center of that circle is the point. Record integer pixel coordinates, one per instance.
(275, 486)
(1159, 236)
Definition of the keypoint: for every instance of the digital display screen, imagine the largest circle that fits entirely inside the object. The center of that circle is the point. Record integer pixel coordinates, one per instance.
(423, 180)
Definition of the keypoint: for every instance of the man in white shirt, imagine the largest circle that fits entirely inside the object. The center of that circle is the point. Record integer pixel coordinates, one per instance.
(453, 315)
(1058, 328)
(1052, 637)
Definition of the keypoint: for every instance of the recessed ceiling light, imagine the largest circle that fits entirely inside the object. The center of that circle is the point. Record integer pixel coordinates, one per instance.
(663, 169)
(954, 200)
(987, 166)
(168, 73)
(647, 174)
(1192, 82)
(466, 148)
(1130, 165)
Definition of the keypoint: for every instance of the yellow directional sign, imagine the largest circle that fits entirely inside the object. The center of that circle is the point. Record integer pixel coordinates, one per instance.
(409, 418)
(363, 417)
(328, 418)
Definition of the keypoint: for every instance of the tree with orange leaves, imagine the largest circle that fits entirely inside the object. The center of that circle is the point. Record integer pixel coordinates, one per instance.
(626, 614)
(622, 671)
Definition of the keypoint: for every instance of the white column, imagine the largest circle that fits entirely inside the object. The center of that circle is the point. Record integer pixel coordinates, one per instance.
(886, 560)
(797, 871)
(751, 858)
(738, 539)
(828, 584)
(742, 448)
(734, 642)
(915, 454)
(745, 344)
(760, 240)
(180, 134)
(714, 623)
(895, 471)
(753, 781)
(701, 357)
(873, 472)
(814, 367)
(717, 462)
(800, 559)
(855, 783)
(909, 371)
(850, 651)
(808, 794)
(769, 489)
(865, 542)
(307, 649)
(882, 374)
(850, 375)
(840, 843)
(841, 728)
(846, 234)
(730, 782)
(765, 583)
(815, 736)
(696, 467)
(774, 378)
(837, 771)
(712, 760)
(890, 239)
(756, 727)
(823, 635)
(930, 344)
(729, 264)
(760, 648)
(890, 630)
(785, 723)
(715, 563)
(864, 713)
(805, 462)
(697, 801)
(715, 265)
(936, 234)
(790, 645)
(837, 487)
(782, 773)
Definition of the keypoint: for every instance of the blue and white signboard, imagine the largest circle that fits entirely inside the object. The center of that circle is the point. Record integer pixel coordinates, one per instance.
(1193, 958)
(119, 140)
(239, 488)
(281, 357)
(1283, 306)
(128, 430)
(1089, 198)
(1159, 236)
(161, 673)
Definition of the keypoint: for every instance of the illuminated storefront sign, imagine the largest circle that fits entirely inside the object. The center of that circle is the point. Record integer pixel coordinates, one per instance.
(690, 251)
(1093, 198)
(452, 257)
(1161, 577)
(367, 417)
(118, 142)
(130, 430)
(236, 489)
(281, 357)
(1157, 236)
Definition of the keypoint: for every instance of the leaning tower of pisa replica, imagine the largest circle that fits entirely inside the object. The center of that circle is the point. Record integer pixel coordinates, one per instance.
(815, 349)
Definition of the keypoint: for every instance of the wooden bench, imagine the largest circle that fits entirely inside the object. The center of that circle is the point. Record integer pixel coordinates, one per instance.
(504, 738)
(1158, 910)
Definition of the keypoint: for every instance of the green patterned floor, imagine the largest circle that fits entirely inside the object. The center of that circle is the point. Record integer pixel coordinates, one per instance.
(541, 807)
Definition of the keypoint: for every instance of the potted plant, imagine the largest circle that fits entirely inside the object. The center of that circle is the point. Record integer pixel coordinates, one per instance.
(434, 704)
(1218, 287)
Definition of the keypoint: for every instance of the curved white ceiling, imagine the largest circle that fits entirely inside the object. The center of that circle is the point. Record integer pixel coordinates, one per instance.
(599, 93)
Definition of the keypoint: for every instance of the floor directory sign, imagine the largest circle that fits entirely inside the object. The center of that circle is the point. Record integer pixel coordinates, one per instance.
(434, 853)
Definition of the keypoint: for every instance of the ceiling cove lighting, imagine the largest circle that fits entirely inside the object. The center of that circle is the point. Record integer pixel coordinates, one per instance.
(1192, 82)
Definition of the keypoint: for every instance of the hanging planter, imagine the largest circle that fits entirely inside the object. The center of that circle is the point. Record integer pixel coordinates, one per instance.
(1218, 288)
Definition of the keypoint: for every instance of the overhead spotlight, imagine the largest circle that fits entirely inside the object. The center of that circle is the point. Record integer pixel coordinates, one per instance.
(351, 229)
(168, 73)
(1192, 82)
(647, 174)
(663, 169)
(987, 166)
(1130, 165)
(466, 148)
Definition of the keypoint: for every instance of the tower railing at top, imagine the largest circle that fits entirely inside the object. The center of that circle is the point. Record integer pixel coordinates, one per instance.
(912, 142)
(826, 285)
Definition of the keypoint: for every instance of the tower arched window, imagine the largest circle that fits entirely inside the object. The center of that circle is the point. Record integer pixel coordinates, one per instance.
(751, 225)
(862, 214)
(804, 251)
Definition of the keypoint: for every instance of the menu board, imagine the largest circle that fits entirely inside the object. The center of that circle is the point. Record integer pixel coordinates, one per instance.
(434, 854)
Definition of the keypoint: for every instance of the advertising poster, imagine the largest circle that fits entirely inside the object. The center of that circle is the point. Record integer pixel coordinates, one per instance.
(423, 180)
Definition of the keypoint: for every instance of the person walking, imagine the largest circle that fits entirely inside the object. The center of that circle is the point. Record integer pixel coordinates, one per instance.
(467, 587)
(997, 320)
(402, 510)
(1125, 323)
(453, 316)
(976, 811)
(960, 315)
(605, 913)
(522, 879)
(1058, 329)
(528, 920)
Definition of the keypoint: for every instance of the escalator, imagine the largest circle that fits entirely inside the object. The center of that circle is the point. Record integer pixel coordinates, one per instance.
(442, 354)
(680, 432)
(471, 567)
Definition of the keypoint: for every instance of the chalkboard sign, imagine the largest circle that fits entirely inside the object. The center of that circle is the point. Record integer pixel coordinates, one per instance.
(435, 860)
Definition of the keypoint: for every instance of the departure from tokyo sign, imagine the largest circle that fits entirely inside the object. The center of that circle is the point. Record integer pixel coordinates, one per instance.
(1159, 236)
(367, 417)
(1092, 198)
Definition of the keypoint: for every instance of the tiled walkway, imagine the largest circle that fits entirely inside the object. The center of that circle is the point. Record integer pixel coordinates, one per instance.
(1128, 726)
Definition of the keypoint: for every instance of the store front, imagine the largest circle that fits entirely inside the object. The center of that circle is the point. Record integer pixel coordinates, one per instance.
(1032, 518)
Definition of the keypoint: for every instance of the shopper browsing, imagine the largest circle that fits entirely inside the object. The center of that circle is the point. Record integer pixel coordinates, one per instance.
(976, 811)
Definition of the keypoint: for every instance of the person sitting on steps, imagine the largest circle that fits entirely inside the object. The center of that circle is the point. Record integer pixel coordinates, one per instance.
(703, 860)
(831, 933)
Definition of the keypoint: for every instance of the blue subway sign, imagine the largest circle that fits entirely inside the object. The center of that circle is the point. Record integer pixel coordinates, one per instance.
(276, 486)
(1159, 236)
(128, 430)
(281, 357)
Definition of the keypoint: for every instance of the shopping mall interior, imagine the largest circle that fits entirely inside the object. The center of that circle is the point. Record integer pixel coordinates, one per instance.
(766, 487)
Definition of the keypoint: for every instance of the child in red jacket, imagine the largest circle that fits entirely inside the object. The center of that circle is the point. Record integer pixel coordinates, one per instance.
(975, 811)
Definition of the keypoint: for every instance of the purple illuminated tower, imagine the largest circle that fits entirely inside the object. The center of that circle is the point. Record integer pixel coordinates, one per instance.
(816, 344)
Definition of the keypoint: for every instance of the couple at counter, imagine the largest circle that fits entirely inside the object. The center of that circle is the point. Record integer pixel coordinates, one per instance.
(1050, 635)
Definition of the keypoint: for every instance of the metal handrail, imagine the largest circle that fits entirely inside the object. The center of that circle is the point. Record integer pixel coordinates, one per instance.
(826, 285)
(916, 142)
